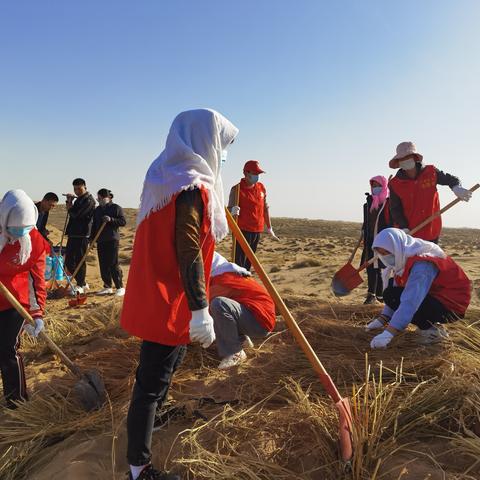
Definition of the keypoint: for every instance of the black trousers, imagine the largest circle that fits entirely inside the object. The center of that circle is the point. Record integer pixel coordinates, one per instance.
(76, 249)
(430, 311)
(11, 362)
(154, 375)
(109, 267)
(252, 239)
(375, 283)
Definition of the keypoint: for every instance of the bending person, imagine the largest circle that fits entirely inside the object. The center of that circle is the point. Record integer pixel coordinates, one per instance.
(428, 289)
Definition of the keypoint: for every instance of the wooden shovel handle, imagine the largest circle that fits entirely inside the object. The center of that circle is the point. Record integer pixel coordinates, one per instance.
(28, 318)
(235, 217)
(352, 256)
(327, 382)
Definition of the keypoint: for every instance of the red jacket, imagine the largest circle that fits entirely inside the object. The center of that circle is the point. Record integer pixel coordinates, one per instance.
(246, 291)
(155, 307)
(252, 207)
(451, 287)
(26, 282)
(419, 201)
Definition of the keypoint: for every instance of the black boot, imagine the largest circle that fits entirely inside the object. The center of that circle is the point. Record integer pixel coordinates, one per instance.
(370, 299)
(149, 473)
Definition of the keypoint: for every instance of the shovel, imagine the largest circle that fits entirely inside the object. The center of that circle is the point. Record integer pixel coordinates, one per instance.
(348, 277)
(234, 240)
(90, 389)
(342, 404)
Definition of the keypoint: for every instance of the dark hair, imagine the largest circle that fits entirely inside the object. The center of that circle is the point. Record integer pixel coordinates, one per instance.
(79, 182)
(50, 197)
(104, 193)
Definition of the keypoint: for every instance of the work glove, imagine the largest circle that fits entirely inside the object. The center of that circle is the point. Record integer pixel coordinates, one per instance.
(106, 219)
(235, 211)
(34, 331)
(272, 234)
(381, 340)
(378, 322)
(462, 193)
(201, 327)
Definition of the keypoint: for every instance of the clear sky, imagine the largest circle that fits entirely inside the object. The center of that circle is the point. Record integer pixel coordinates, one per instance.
(322, 92)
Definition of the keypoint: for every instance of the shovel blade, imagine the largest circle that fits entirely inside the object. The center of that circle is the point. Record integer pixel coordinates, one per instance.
(345, 280)
(90, 391)
(346, 429)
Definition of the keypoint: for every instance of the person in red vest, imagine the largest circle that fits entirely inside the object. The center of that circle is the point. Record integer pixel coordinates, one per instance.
(22, 265)
(181, 216)
(241, 309)
(413, 192)
(252, 210)
(376, 217)
(428, 289)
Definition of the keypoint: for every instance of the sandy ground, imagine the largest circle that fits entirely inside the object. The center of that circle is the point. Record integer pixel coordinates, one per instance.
(301, 265)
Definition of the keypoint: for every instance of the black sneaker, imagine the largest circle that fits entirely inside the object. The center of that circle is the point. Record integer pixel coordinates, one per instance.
(370, 299)
(149, 473)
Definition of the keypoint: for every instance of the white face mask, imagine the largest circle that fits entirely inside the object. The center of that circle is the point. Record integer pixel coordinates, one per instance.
(407, 164)
(388, 260)
(377, 190)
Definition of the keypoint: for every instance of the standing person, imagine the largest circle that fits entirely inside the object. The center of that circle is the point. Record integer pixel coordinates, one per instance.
(166, 302)
(413, 192)
(48, 202)
(252, 210)
(241, 309)
(22, 266)
(108, 241)
(429, 289)
(376, 217)
(80, 208)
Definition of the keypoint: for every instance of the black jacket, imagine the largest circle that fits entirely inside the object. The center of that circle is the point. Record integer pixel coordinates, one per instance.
(369, 221)
(42, 221)
(80, 216)
(110, 232)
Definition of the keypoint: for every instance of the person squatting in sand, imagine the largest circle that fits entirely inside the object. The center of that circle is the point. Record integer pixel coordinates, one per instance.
(181, 216)
(22, 265)
(241, 309)
(428, 289)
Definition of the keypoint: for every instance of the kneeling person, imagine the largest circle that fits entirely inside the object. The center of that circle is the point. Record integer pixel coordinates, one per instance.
(240, 308)
(429, 288)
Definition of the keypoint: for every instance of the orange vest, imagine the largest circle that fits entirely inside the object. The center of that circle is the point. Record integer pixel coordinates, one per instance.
(252, 205)
(249, 293)
(420, 200)
(451, 286)
(155, 307)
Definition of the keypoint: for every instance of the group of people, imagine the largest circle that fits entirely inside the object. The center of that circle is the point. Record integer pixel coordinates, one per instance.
(181, 291)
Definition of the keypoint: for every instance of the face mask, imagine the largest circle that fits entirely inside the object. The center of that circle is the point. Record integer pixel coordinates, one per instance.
(19, 232)
(388, 260)
(103, 201)
(377, 190)
(223, 157)
(407, 164)
(253, 178)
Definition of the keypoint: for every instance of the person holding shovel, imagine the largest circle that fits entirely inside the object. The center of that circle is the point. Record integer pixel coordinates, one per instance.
(376, 217)
(251, 209)
(413, 192)
(108, 242)
(181, 216)
(22, 265)
(429, 289)
(241, 309)
(48, 202)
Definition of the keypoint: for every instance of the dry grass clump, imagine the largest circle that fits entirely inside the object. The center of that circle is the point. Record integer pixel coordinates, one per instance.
(309, 262)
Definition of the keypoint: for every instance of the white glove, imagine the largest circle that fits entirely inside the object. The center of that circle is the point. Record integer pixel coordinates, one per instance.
(381, 340)
(378, 322)
(235, 211)
(272, 234)
(462, 193)
(34, 331)
(201, 327)
(406, 230)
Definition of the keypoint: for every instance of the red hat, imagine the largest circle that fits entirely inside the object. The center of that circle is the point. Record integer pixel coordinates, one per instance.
(253, 166)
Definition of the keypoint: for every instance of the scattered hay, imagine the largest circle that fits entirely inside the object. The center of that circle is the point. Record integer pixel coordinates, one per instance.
(310, 262)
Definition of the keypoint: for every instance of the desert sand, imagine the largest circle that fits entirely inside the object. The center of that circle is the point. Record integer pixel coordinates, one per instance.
(416, 408)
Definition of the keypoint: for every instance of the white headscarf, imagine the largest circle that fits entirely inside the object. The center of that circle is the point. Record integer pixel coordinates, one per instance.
(222, 265)
(17, 210)
(404, 246)
(192, 157)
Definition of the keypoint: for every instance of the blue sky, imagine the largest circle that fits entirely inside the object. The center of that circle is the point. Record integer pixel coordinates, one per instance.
(322, 93)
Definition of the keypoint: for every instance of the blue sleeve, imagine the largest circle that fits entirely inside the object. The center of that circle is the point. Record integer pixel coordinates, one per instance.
(418, 285)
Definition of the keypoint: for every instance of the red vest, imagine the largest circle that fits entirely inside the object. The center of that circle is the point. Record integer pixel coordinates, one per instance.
(27, 279)
(451, 286)
(155, 307)
(420, 200)
(249, 293)
(252, 205)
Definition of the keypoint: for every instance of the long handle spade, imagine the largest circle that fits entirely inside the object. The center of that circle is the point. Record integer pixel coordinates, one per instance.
(342, 404)
(90, 389)
(235, 217)
(348, 277)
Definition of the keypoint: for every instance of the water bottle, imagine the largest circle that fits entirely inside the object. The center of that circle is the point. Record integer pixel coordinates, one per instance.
(59, 275)
(48, 267)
